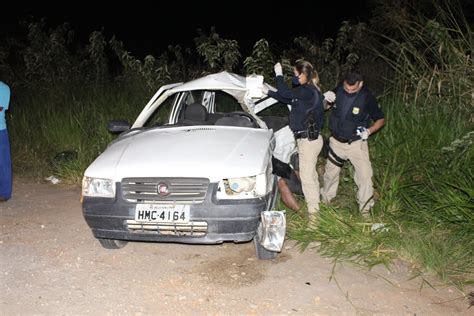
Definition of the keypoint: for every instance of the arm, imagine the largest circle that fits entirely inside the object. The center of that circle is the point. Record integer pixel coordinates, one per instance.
(287, 93)
(378, 124)
(320, 114)
(277, 97)
(376, 114)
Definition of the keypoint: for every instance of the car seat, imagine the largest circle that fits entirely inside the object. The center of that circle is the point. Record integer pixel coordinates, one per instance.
(195, 114)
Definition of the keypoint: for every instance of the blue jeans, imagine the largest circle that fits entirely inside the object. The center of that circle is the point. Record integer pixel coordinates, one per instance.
(5, 166)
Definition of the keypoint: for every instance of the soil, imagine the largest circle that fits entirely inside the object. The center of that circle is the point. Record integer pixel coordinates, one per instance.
(51, 264)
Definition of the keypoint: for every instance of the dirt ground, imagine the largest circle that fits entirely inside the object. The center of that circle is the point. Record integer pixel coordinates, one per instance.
(51, 264)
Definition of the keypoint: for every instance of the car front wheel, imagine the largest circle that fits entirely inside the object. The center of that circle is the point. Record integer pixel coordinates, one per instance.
(112, 243)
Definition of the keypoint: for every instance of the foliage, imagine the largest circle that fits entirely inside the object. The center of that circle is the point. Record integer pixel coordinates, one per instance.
(218, 53)
(65, 94)
(47, 57)
(261, 60)
(424, 198)
(432, 57)
(97, 56)
(333, 57)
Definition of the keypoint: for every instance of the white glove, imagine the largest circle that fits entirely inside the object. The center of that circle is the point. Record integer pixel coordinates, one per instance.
(363, 132)
(278, 69)
(264, 89)
(329, 96)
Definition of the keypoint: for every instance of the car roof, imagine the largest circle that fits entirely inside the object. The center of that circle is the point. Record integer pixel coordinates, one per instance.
(230, 83)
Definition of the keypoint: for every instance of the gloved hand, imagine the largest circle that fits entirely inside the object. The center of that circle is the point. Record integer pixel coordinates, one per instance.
(264, 89)
(278, 69)
(363, 132)
(329, 96)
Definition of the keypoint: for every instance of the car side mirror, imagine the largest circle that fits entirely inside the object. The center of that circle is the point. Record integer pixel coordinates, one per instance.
(118, 126)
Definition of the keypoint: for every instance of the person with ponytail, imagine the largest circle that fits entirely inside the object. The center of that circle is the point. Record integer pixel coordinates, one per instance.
(306, 120)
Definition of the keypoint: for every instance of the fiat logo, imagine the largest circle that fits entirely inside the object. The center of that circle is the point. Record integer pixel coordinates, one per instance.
(163, 189)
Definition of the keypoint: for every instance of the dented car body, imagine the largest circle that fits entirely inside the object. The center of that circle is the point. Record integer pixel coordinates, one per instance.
(195, 167)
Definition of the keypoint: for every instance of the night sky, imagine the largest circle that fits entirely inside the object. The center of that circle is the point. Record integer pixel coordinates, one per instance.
(145, 30)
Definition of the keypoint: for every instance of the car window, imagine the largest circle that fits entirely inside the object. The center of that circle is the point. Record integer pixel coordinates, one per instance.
(161, 114)
(275, 116)
(226, 103)
(278, 109)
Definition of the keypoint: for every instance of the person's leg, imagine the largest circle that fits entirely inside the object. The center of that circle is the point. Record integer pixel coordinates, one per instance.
(308, 152)
(287, 196)
(5, 167)
(359, 156)
(331, 173)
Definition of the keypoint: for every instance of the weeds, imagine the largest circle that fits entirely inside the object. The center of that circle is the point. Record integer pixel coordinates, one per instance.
(422, 159)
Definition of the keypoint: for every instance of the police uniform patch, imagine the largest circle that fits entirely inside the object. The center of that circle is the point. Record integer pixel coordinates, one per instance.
(355, 110)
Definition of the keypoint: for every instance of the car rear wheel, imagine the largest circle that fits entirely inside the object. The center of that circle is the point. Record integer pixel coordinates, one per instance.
(262, 253)
(112, 243)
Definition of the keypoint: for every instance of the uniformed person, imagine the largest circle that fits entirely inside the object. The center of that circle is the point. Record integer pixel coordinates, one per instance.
(305, 120)
(350, 124)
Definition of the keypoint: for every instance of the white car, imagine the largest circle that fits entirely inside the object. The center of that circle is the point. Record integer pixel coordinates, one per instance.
(195, 167)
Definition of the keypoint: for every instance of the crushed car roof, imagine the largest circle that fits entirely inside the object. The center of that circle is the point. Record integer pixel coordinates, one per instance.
(231, 83)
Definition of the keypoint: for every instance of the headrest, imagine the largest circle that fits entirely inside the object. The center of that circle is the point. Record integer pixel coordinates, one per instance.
(195, 112)
(234, 121)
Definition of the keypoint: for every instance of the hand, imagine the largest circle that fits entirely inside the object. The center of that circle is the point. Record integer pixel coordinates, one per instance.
(363, 132)
(329, 96)
(278, 69)
(264, 89)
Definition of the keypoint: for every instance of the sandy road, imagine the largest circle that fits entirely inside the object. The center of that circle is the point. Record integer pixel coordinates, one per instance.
(51, 264)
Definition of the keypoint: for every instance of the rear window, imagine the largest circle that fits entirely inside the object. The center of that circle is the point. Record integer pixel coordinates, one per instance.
(226, 103)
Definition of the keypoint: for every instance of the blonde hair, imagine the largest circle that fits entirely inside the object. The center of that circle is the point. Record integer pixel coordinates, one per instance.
(315, 80)
(305, 67)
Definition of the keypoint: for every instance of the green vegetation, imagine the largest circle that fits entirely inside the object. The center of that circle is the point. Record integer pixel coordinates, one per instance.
(425, 199)
(423, 158)
(63, 95)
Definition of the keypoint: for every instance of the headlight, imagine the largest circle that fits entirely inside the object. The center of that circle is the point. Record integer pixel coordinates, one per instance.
(242, 188)
(98, 187)
(272, 230)
(239, 185)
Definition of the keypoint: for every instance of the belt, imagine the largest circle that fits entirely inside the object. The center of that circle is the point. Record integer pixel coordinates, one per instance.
(301, 134)
(344, 140)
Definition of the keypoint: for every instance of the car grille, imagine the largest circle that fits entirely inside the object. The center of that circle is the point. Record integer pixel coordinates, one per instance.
(173, 229)
(179, 190)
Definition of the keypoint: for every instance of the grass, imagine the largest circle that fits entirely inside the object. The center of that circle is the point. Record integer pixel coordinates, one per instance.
(425, 199)
(422, 159)
(423, 184)
(46, 123)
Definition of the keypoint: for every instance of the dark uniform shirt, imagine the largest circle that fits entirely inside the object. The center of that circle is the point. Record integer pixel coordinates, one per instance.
(352, 111)
(302, 98)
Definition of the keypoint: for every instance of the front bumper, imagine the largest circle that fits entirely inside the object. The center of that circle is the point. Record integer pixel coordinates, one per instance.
(227, 220)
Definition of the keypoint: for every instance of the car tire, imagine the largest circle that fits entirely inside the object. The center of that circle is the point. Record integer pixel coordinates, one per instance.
(262, 253)
(112, 243)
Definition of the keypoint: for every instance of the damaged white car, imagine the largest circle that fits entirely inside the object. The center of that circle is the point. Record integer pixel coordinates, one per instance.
(195, 167)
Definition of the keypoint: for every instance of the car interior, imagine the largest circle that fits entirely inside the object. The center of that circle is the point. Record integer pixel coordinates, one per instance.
(226, 112)
(196, 114)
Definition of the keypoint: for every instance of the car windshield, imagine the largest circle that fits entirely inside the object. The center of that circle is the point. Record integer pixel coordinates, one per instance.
(201, 107)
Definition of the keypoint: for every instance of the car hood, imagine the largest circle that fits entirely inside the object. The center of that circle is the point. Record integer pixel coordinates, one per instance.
(212, 152)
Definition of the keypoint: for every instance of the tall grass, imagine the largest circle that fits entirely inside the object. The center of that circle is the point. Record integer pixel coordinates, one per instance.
(431, 58)
(422, 159)
(423, 176)
(46, 123)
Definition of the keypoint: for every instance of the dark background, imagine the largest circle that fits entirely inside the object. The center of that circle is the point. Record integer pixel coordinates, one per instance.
(150, 27)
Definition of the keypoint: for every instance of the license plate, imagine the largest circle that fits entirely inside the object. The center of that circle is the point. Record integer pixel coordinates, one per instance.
(162, 213)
